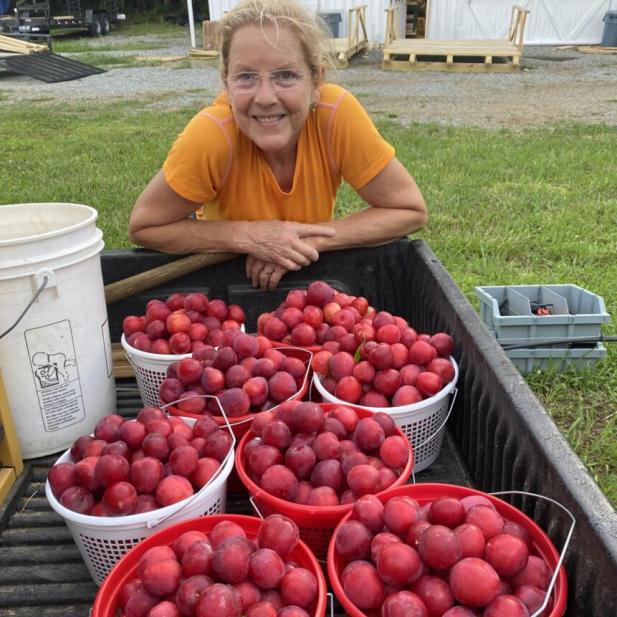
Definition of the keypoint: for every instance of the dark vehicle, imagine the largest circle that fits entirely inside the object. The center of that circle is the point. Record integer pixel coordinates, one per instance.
(32, 19)
(499, 436)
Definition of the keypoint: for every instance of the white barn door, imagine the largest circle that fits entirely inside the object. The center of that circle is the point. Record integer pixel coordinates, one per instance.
(552, 22)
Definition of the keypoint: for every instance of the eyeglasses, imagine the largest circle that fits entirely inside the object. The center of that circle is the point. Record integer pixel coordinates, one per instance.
(249, 81)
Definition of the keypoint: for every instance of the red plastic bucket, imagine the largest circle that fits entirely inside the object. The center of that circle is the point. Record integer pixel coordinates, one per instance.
(241, 424)
(424, 493)
(316, 523)
(106, 603)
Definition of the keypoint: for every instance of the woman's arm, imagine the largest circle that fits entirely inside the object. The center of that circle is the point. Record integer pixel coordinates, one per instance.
(396, 209)
(161, 220)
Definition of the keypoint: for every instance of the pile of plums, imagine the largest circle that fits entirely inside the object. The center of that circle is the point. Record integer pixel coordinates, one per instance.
(181, 324)
(133, 466)
(388, 373)
(304, 454)
(449, 557)
(318, 315)
(223, 573)
(246, 375)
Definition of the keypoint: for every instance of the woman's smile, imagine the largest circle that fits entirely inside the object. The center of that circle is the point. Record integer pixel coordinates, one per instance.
(270, 120)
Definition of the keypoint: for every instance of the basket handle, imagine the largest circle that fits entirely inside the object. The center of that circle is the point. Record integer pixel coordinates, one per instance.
(256, 507)
(564, 548)
(438, 430)
(331, 599)
(308, 363)
(158, 521)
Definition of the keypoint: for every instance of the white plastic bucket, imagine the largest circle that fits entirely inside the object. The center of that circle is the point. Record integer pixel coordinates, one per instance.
(56, 361)
(102, 541)
(423, 423)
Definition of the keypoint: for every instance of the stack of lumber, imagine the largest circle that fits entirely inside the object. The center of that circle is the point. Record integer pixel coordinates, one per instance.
(16, 46)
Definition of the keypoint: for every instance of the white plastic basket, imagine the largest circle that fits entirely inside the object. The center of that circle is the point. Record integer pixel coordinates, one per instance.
(150, 370)
(102, 541)
(423, 423)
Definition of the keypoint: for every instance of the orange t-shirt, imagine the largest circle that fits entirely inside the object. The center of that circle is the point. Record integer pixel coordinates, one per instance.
(213, 163)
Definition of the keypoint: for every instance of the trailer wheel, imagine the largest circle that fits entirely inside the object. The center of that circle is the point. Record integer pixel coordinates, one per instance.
(105, 25)
(95, 27)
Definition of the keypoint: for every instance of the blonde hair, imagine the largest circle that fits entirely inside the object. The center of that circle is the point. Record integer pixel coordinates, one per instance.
(309, 27)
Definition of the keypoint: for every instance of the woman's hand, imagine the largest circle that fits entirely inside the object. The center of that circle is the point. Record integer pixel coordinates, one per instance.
(263, 274)
(283, 243)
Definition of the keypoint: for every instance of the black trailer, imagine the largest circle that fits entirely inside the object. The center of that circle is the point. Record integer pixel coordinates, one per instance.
(499, 437)
(34, 19)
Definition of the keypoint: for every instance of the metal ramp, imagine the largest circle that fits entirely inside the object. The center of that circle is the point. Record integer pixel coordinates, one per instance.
(48, 67)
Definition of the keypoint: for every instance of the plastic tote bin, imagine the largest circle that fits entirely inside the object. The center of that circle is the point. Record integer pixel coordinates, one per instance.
(507, 311)
(530, 359)
(609, 34)
(332, 19)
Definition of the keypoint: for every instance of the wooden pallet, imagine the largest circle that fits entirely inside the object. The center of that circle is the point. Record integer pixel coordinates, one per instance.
(455, 55)
(355, 41)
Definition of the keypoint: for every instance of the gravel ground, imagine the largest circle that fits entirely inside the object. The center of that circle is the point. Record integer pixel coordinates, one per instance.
(554, 85)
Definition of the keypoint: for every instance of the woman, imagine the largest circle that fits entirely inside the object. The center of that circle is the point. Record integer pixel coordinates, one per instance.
(262, 164)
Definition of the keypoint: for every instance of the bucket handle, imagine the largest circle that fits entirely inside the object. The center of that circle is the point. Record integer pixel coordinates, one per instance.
(158, 521)
(46, 279)
(564, 548)
(256, 507)
(307, 363)
(437, 431)
(331, 602)
(250, 419)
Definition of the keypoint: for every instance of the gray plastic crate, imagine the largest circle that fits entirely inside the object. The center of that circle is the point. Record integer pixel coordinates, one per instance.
(531, 359)
(506, 310)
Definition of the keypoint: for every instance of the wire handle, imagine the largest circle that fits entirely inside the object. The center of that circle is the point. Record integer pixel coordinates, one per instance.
(34, 299)
(437, 431)
(331, 598)
(307, 362)
(256, 507)
(564, 548)
(158, 521)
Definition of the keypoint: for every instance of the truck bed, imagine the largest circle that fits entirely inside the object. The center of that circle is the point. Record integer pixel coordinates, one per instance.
(42, 573)
(499, 436)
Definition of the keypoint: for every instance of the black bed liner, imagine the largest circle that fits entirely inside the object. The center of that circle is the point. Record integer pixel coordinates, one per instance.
(500, 437)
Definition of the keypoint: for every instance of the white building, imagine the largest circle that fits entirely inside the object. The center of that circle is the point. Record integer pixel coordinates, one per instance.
(550, 22)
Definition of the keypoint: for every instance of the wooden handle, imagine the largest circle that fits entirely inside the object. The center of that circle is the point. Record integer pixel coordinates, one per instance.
(156, 276)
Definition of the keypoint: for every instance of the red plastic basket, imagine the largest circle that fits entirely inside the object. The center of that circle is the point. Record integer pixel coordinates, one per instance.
(316, 523)
(241, 424)
(424, 493)
(106, 601)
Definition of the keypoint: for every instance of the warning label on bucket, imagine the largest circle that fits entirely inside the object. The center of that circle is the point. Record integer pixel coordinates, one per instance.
(56, 377)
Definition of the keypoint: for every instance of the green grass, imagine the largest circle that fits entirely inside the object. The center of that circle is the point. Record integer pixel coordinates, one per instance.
(506, 207)
(156, 29)
(81, 45)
